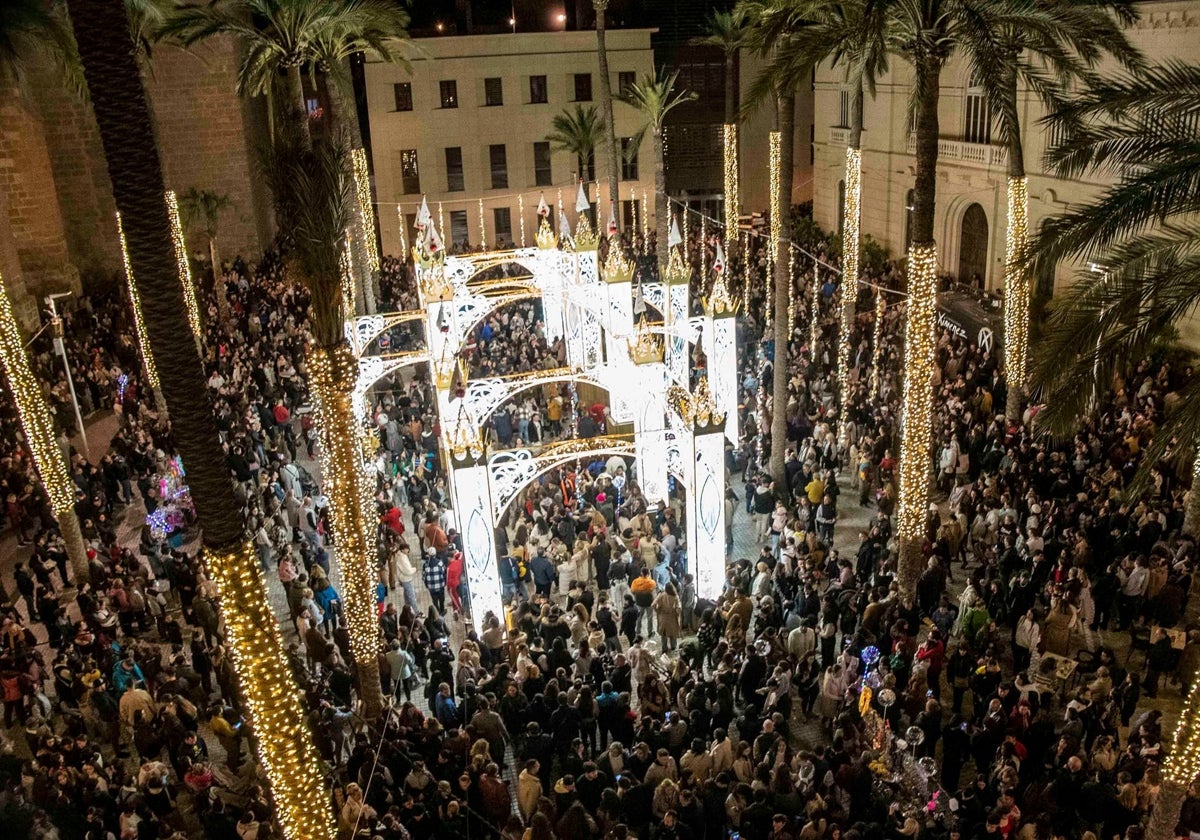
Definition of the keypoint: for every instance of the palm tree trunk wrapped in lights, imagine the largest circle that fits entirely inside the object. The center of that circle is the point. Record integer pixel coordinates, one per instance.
(1016, 294)
(732, 203)
(38, 424)
(185, 270)
(786, 104)
(275, 712)
(314, 196)
(1191, 514)
(851, 215)
(1180, 770)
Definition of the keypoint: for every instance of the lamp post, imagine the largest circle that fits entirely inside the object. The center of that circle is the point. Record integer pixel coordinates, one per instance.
(57, 327)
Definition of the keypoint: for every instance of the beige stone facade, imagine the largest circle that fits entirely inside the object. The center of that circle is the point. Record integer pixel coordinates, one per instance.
(972, 173)
(448, 93)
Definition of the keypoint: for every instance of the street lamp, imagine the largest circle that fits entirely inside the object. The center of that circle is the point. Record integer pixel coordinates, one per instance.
(57, 326)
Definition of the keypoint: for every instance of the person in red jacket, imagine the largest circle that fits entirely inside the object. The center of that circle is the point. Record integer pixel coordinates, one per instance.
(454, 581)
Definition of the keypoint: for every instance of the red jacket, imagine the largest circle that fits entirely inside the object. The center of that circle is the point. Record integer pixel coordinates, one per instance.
(454, 571)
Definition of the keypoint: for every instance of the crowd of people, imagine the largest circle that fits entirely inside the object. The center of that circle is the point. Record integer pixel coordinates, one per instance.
(619, 704)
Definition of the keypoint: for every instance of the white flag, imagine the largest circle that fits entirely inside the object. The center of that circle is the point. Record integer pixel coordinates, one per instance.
(433, 241)
(639, 300)
(543, 207)
(719, 260)
(582, 205)
(564, 226)
(423, 218)
(674, 238)
(612, 218)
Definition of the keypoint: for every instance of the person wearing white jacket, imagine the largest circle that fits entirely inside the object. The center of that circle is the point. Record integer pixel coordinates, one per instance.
(402, 570)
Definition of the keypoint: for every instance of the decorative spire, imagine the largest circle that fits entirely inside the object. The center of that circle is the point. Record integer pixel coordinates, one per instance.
(646, 347)
(704, 407)
(617, 267)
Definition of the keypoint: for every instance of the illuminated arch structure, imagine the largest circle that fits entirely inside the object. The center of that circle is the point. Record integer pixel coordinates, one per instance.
(676, 431)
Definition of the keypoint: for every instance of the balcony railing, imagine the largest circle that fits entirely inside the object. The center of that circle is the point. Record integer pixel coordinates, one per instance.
(984, 155)
(839, 136)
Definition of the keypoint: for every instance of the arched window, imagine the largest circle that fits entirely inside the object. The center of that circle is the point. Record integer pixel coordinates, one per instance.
(973, 247)
(908, 219)
(841, 208)
(978, 127)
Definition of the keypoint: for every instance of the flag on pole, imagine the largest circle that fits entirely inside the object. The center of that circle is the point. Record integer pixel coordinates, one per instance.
(582, 205)
(543, 208)
(674, 238)
(639, 300)
(612, 218)
(564, 226)
(718, 266)
(432, 241)
(424, 219)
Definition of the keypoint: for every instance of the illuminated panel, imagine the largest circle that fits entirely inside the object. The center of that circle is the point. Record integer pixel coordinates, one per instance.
(708, 489)
(473, 506)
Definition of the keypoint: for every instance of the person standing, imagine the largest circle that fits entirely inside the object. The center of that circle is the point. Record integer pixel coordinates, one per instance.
(434, 576)
(667, 611)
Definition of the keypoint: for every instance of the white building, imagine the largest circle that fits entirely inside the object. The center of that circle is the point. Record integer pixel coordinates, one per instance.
(467, 128)
(971, 204)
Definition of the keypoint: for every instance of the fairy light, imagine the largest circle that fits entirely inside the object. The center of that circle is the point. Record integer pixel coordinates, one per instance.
(33, 412)
(362, 183)
(775, 165)
(877, 341)
(731, 186)
(704, 247)
(403, 229)
(633, 203)
(185, 270)
(441, 223)
(920, 340)
(646, 221)
(686, 242)
(346, 266)
(482, 228)
(284, 744)
(136, 302)
(814, 319)
(521, 215)
(333, 373)
(849, 301)
(1016, 285)
(791, 290)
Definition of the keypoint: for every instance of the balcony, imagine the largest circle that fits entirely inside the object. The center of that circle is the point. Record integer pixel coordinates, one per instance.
(979, 155)
(839, 136)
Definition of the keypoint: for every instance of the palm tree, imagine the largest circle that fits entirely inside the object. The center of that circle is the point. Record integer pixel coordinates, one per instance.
(285, 747)
(606, 105)
(577, 131)
(203, 209)
(1142, 234)
(1071, 36)
(314, 197)
(727, 30)
(655, 97)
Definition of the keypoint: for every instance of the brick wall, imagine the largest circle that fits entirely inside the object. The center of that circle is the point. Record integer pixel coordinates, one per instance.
(24, 306)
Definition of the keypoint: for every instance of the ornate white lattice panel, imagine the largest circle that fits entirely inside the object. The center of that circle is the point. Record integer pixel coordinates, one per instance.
(706, 533)
(473, 506)
(722, 372)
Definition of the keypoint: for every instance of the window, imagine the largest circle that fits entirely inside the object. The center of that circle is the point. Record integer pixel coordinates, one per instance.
(410, 177)
(449, 89)
(843, 109)
(537, 90)
(403, 93)
(313, 106)
(978, 128)
(629, 161)
(493, 92)
(502, 220)
(625, 80)
(459, 236)
(583, 87)
(499, 165)
(542, 176)
(454, 169)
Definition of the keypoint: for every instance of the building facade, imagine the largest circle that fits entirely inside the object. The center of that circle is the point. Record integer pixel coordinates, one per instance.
(467, 129)
(970, 223)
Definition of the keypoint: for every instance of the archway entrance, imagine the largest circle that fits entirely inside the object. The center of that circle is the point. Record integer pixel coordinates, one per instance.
(973, 247)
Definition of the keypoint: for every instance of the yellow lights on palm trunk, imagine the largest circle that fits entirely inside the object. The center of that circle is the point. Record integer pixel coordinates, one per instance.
(775, 157)
(877, 340)
(482, 228)
(850, 219)
(916, 415)
(346, 266)
(521, 216)
(1183, 762)
(185, 270)
(366, 218)
(731, 186)
(814, 319)
(333, 372)
(275, 710)
(33, 411)
(139, 323)
(646, 222)
(403, 229)
(1016, 285)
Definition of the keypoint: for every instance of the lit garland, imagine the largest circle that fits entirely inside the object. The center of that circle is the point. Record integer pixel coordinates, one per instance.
(346, 265)
(441, 223)
(916, 419)
(791, 291)
(850, 220)
(731, 186)
(284, 743)
(362, 182)
(332, 375)
(138, 324)
(1183, 762)
(814, 319)
(633, 203)
(482, 227)
(1016, 285)
(877, 341)
(33, 411)
(403, 229)
(775, 164)
(646, 221)
(704, 248)
(185, 270)
(521, 215)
